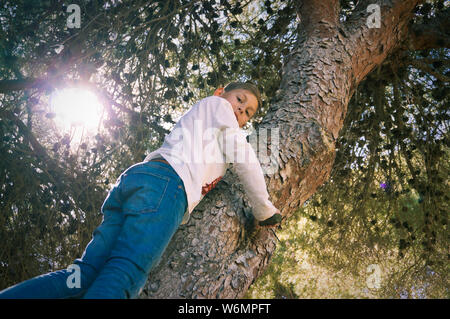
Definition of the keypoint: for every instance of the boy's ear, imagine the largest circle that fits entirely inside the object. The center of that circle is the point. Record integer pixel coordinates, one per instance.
(218, 91)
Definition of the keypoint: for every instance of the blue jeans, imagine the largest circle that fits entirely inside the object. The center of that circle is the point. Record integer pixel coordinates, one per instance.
(140, 215)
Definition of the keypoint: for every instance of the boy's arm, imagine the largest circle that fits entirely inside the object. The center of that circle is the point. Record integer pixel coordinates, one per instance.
(233, 144)
(245, 162)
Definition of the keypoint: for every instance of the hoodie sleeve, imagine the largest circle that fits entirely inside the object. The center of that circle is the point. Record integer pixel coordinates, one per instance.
(241, 155)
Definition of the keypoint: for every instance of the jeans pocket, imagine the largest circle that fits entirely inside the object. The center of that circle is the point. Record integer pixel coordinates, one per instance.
(143, 191)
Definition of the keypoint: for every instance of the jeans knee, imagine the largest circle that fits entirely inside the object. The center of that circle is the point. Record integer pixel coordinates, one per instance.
(113, 282)
(127, 266)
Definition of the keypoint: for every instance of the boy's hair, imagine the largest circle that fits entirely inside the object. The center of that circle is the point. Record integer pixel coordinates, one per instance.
(245, 86)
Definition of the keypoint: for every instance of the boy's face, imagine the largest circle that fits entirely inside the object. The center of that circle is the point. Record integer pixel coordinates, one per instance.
(244, 103)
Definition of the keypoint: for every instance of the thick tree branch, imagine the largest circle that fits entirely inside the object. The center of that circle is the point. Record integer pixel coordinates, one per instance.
(370, 46)
(316, 17)
(7, 86)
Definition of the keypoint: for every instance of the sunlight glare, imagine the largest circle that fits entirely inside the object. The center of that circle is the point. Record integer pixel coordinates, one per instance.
(76, 107)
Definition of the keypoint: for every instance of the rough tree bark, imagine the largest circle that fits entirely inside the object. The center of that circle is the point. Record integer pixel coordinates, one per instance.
(220, 252)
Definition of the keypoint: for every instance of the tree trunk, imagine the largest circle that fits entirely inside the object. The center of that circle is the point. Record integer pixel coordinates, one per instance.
(220, 252)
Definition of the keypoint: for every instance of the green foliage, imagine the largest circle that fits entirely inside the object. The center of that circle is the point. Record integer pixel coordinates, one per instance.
(149, 61)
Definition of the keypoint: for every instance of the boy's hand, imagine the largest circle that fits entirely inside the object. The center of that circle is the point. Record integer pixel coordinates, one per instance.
(271, 221)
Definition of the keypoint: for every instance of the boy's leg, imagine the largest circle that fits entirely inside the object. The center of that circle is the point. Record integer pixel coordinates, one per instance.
(64, 283)
(52, 285)
(153, 202)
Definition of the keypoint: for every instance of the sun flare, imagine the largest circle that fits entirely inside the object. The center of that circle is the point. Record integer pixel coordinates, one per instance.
(76, 107)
